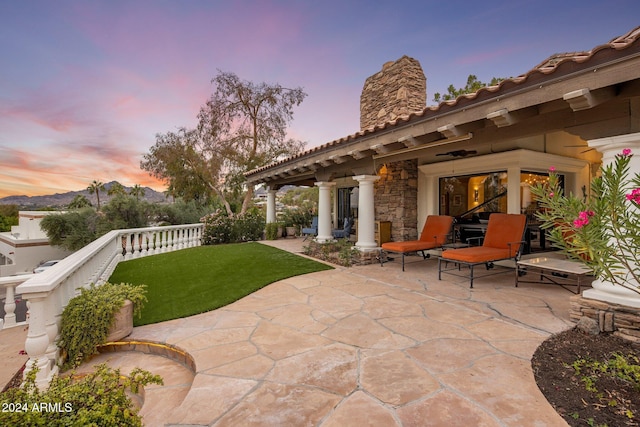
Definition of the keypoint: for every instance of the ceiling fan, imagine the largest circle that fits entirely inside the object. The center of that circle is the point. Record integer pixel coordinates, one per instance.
(458, 153)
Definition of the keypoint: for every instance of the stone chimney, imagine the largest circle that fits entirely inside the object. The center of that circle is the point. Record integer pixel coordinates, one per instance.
(399, 89)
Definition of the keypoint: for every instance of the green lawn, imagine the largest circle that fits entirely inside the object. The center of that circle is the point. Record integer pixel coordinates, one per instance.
(196, 280)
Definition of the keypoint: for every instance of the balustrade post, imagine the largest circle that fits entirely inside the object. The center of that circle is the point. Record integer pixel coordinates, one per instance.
(170, 239)
(10, 307)
(128, 254)
(144, 244)
(180, 238)
(136, 244)
(52, 309)
(164, 241)
(37, 342)
(156, 242)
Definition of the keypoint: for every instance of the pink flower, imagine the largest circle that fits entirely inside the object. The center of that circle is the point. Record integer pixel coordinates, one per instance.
(634, 196)
(552, 169)
(551, 194)
(626, 152)
(583, 219)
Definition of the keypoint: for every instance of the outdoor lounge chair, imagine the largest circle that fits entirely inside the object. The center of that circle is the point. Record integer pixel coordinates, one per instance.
(343, 233)
(503, 240)
(311, 231)
(435, 233)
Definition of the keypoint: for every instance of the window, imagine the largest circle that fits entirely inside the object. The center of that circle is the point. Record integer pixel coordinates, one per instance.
(347, 204)
(471, 196)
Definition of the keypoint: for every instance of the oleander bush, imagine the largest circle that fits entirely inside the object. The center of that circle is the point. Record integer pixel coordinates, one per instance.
(221, 228)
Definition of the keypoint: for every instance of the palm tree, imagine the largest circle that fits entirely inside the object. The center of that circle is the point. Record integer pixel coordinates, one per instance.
(96, 187)
(79, 202)
(137, 191)
(116, 189)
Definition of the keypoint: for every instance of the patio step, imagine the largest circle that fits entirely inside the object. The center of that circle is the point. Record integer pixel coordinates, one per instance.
(174, 366)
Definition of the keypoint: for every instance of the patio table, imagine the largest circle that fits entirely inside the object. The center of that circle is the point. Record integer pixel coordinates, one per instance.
(555, 271)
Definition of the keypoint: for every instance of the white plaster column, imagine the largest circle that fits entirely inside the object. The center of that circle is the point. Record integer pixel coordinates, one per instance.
(37, 342)
(271, 205)
(513, 190)
(366, 212)
(610, 147)
(324, 211)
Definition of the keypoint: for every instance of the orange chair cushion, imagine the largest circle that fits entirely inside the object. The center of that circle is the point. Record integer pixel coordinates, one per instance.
(434, 234)
(409, 246)
(503, 229)
(476, 254)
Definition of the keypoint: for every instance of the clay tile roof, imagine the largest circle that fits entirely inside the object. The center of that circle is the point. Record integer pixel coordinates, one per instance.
(546, 68)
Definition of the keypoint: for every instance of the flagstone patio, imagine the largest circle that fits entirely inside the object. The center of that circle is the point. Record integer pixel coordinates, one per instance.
(365, 345)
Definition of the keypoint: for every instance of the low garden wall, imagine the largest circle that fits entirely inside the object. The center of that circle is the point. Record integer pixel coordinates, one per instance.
(622, 321)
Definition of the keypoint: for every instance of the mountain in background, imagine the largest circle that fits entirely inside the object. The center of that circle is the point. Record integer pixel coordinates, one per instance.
(59, 200)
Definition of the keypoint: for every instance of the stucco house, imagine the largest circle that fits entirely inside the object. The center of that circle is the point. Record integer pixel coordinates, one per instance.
(474, 154)
(27, 245)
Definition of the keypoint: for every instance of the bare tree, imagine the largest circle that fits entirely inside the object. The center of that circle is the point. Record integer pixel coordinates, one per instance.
(241, 127)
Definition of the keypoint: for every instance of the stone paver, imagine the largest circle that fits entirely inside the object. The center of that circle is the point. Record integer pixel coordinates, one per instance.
(369, 345)
(12, 352)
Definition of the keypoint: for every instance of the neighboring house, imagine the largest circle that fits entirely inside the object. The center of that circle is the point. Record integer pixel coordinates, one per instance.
(475, 154)
(26, 246)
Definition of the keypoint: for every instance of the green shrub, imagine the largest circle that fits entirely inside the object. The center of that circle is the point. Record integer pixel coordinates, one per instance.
(217, 228)
(271, 230)
(249, 226)
(220, 228)
(96, 399)
(341, 252)
(87, 318)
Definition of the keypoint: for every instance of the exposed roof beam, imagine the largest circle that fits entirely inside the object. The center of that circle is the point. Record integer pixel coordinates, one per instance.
(357, 154)
(409, 141)
(380, 148)
(438, 143)
(337, 159)
(324, 163)
(583, 99)
(450, 131)
(501, 118)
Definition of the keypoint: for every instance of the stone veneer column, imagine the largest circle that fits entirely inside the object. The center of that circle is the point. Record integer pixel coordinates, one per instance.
(396, 199)
(366, 212)
(324, 211)
(271, 205)
(610, 147)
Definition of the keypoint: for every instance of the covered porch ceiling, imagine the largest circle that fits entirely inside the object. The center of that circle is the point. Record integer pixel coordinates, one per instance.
(590, 95)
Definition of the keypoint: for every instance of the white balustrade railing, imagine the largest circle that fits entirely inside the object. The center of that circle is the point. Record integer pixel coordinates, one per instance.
(49, 292)
(8, 287)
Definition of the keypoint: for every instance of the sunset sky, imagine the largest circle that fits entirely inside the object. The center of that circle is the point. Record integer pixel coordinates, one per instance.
(86, 85)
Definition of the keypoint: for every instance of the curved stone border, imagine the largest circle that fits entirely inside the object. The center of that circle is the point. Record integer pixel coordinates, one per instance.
(151, 347)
